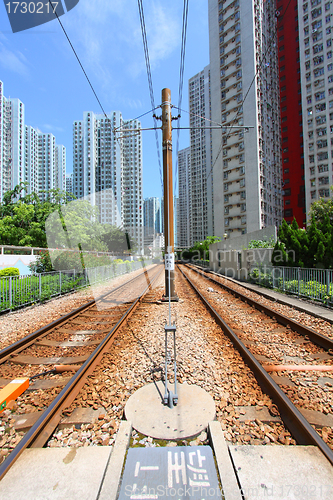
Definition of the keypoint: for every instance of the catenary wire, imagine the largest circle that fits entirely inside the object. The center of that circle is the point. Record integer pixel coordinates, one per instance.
(181, 78)
(198, 116)
(150, 82)
(78, 59)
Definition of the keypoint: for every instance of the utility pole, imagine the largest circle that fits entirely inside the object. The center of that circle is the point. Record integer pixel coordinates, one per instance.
(170, 293)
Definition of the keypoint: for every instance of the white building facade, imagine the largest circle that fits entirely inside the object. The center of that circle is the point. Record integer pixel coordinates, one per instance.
(184, 236)
(107, 168)
(26, 154)
(316, 62)
(151, 219)
(247, 188)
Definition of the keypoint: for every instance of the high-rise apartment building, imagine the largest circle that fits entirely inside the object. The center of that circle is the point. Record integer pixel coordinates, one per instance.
(200, 148)
(291, 112)
(316, 62)
(151, 220)
(184, 238)
(26, 154)
(12, 168)
(247, 188)
(69, 183)
(107, 168)
(32, 158)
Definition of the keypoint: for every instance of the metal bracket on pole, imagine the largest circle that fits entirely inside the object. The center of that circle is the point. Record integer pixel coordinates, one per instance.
(170, 398)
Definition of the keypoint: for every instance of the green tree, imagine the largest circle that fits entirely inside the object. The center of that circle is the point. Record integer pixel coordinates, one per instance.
(310, 247)
(22, 216)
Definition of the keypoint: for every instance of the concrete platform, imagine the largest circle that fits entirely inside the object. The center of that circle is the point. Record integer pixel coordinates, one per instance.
(95, 472)
(282, 472)
(56, 473)
(149, 416)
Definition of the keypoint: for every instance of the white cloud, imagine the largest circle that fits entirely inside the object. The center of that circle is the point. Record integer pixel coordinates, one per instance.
(107, 37)
(13, 60)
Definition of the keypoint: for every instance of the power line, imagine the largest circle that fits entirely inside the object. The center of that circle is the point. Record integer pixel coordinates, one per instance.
(198, 116)
(181, 77)
(247, 93)
(150, 81)
(78, 59)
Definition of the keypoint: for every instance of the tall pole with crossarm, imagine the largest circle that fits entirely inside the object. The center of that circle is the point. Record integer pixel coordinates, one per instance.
(168, 194)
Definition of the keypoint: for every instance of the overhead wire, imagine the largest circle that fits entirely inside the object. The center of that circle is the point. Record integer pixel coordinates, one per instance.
(78, 59)
(150, 82)
(181, 78)
(247, 93)
(198, 116)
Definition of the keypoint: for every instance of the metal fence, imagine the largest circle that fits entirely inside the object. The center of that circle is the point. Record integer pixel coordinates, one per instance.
(24, 290)
(316, 284)
(202, 263)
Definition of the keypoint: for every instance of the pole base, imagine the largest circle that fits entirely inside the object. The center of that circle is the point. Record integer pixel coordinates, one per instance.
(174, 298)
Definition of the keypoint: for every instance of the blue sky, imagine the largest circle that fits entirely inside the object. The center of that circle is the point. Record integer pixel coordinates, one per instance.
(39, 67)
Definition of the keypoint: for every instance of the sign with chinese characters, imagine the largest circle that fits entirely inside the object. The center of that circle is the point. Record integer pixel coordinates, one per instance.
(169, 261)
(179, 472)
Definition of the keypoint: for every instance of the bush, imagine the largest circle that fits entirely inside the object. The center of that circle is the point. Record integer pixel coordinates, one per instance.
(10, 271)
(42, 263)
(67, 261)
(128, 265)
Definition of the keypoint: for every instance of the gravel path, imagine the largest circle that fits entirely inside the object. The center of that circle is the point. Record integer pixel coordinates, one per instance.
(204, 355)
(18, 324)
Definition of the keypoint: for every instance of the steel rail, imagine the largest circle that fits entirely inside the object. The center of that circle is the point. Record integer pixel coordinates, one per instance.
(299, 427)
(316, 338)
(28, 340)
(40, 432)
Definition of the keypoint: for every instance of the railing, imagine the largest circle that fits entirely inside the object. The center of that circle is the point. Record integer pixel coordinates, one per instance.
(202, 263)
(24, 290)
(316, 284)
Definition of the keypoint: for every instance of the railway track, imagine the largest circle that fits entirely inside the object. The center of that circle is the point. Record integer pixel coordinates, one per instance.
(205, 357)
(230, 320)
(110, 312)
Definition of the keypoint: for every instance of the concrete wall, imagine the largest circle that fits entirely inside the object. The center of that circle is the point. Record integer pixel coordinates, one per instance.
(231, 258)
(241, 242)
(237, 263)
(19, 261)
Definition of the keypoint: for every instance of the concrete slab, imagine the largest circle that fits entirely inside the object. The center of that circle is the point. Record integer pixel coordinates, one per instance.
(33, 360)
(301, 341)
(111, 482)
(317, 417)
(81, 416)
(48, 383)
(283, 380)
(293, 360)
(78, 332)
(321, 355)
(4, 381)
(149, 416)
(279, 329)
(25, 421)
(322, 381)
(282, 472)
(56, 474)
(260, 357)
(253, 412)
(227, 474)
(69, 343)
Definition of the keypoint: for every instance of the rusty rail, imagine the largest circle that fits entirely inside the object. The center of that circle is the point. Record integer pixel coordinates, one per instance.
(41, 431)
(316, 338)
(25, 342)
(299, 427)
